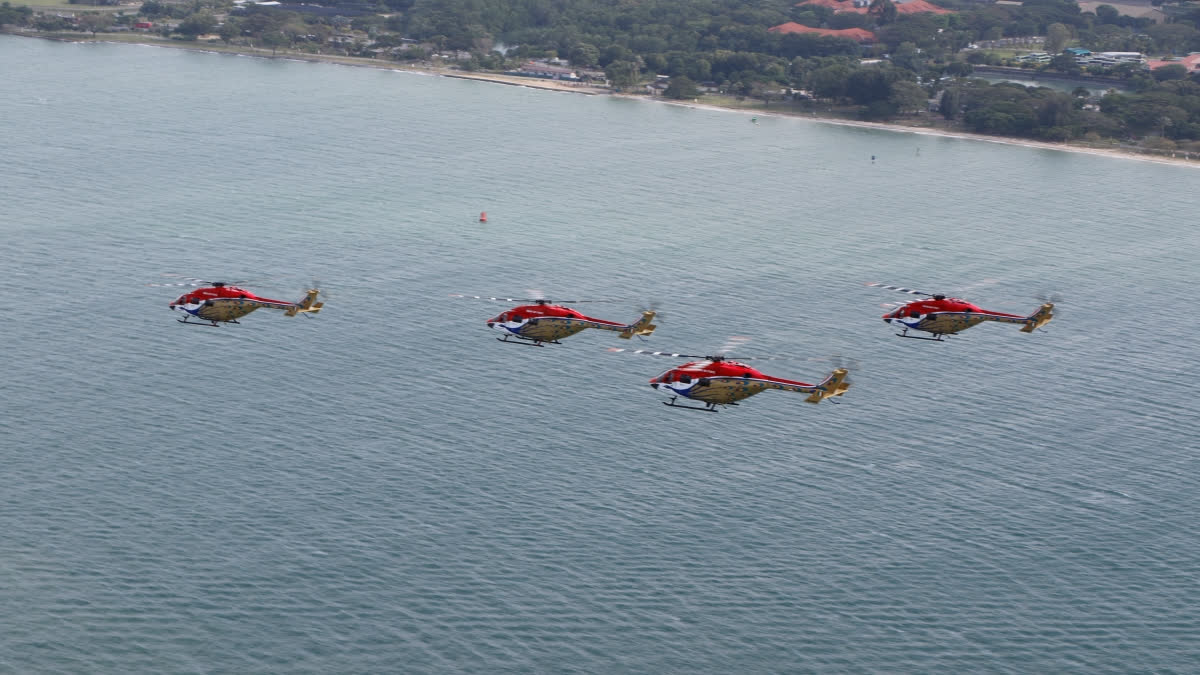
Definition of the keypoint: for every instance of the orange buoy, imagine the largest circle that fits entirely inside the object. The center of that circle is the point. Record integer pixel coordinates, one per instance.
(483, 216)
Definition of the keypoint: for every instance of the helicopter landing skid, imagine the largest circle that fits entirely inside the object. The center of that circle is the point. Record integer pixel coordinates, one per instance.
(528, 342)
(212, 324)
(938, 336)
(708, 407)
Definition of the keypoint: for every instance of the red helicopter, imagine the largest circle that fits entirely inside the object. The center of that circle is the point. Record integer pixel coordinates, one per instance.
(941, 315)
(544, 322)
(222, 302)
(718, 380)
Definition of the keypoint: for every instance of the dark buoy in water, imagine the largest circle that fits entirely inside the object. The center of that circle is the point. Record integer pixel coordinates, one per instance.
(483, 216)
(872, 158)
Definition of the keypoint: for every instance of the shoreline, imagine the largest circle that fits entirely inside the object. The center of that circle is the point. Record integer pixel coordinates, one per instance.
(1118, 153)
(555, 85)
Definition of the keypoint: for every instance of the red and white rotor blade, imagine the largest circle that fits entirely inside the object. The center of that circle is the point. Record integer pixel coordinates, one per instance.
(189, 282)
(901, 289)
(647, 352)
(480, 297)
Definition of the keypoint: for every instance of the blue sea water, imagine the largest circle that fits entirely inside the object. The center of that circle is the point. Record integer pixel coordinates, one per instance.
(385, 488)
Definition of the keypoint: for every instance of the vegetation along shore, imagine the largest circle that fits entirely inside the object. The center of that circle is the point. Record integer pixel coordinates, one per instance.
(907, 64)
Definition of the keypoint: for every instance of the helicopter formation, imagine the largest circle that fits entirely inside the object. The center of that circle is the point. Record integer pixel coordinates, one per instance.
(710, 380)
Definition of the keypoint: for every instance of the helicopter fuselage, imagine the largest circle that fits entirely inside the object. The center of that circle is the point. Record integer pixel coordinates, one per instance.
(545, 322)
(721, 382)
(945, 316)
(225, 303)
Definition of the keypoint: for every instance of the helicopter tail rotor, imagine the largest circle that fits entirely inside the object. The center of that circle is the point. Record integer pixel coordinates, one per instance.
(838, 362)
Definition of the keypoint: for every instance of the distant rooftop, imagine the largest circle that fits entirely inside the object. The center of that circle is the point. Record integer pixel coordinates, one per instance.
(856, 34)
(902, 7)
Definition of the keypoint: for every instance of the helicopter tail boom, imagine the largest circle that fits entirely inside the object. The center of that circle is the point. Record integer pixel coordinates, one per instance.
(640, 327)
(308, 305)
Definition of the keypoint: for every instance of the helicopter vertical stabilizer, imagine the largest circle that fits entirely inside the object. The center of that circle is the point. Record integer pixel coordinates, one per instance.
(1039, 318)
(834, 385)
(308, 305)
(641, 327)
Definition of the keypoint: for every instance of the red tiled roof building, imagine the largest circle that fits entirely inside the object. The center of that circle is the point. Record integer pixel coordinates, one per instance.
(909, 7)
(856, 34)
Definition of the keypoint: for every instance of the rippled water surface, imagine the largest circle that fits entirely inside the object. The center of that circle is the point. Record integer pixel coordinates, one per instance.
(385, 487)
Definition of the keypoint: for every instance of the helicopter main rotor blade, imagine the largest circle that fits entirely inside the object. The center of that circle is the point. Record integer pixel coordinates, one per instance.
(194, 281)
(480, 297)
(706, 357)
(897, 288)
(647, 352)
(541, 300)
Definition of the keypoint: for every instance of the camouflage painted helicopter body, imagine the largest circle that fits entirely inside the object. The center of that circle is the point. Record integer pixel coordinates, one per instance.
(941, 315)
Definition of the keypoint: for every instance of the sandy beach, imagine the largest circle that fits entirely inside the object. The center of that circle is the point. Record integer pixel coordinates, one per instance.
(1177, 158)
(1180, 160)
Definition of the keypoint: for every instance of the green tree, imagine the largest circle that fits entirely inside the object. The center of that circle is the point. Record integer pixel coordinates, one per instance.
(622, 74)
(154, 8)
(907, 56)
(15, 16)
(1173, 38)
(908, 96)
(1173, 71)
(870, 84)
(1108, 14)
(884, 11)
(700, 70)
(959, 68)
(951, 103)
(879, 110)
(830, 81)
(655, 63)
(585, 55)
(681, 87)
(197, 24)
(1065, 63)
(1057, 36)
(274, 39)
(230, 30)
(94, 22)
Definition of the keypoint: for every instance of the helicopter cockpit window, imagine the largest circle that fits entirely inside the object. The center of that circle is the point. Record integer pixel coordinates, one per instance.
(686, 379)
